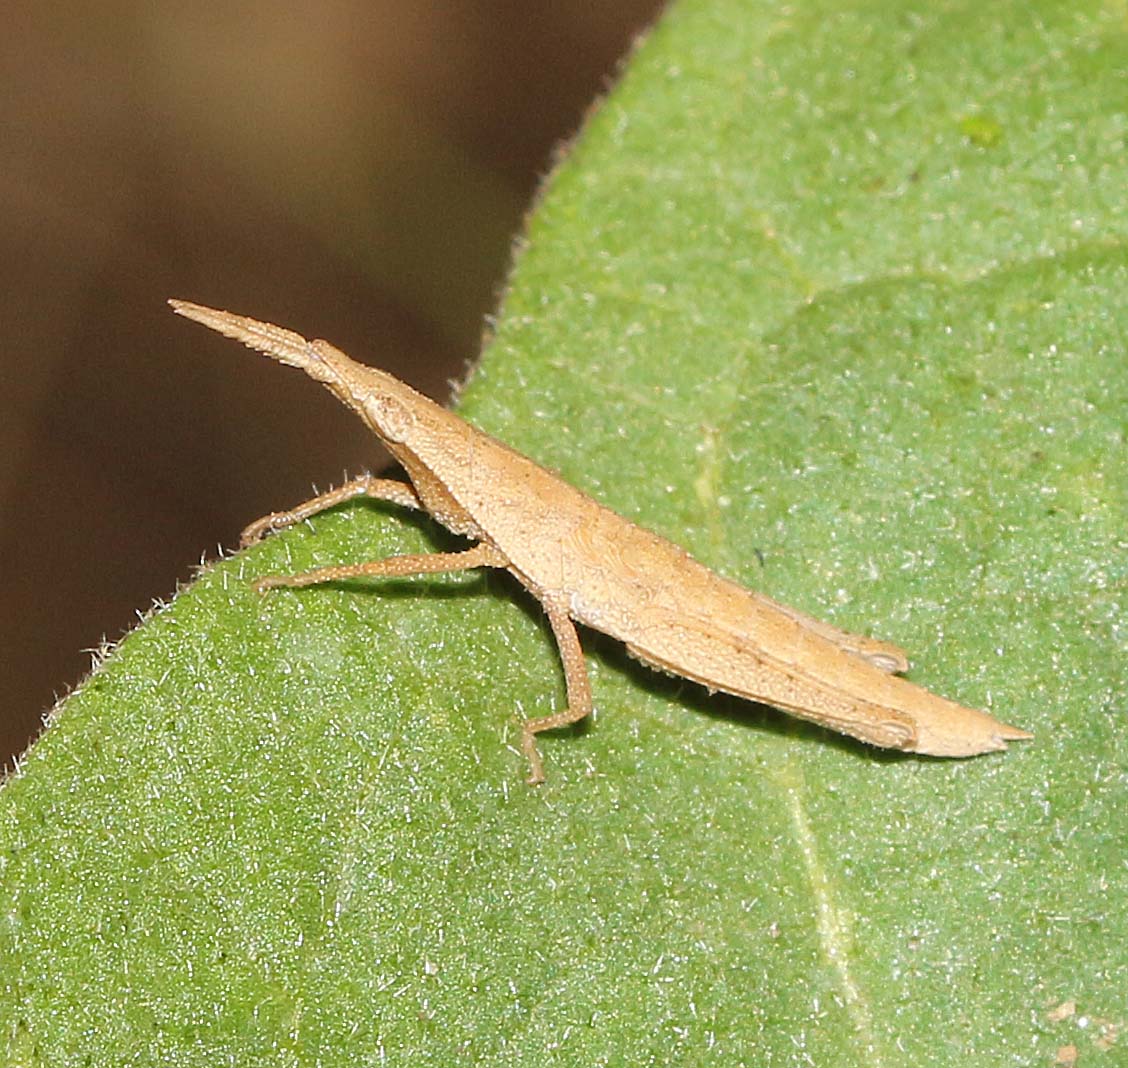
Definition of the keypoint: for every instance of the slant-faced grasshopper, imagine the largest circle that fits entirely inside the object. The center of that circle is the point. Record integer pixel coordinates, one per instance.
(588, 565)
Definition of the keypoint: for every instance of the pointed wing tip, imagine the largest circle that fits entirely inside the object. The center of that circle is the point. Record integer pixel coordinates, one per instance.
(1012, 734)
(970, 734)
(999, 738)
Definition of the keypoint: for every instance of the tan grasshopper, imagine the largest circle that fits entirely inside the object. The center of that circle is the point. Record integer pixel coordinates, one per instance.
(585, 564)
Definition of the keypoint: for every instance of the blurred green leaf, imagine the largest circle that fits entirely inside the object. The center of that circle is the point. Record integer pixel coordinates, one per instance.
(835, 288)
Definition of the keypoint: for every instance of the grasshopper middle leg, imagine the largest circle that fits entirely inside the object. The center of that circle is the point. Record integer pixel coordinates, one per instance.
(576, 682)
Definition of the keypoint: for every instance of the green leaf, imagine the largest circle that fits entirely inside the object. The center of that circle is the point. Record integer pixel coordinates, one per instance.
(833, 295)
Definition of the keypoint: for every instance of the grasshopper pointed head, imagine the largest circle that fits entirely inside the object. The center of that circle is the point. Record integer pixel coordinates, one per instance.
(384, 402)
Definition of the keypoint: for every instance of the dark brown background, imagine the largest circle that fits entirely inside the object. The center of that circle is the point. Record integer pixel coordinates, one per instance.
(354, 169)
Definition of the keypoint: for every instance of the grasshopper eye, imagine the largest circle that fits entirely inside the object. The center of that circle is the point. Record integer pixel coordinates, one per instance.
(390, 418)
